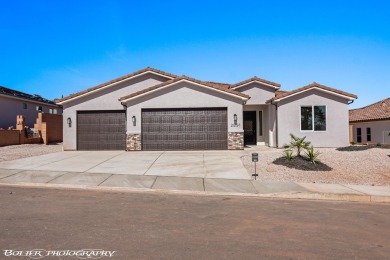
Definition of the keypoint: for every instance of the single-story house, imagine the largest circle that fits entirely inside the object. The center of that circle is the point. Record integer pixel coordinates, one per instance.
(155, 110)
(371, 124)
(13, 103)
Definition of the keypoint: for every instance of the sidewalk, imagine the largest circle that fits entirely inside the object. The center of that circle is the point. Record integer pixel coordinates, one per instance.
(206, 186)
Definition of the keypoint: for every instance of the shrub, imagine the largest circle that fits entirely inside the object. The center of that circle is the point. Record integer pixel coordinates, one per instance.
(311, 155)
(353, 142)
(288, 154)
(299, 143)
(378, 144)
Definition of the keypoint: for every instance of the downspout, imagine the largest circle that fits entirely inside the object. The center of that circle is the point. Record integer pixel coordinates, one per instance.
(276, 123)
(351, 101)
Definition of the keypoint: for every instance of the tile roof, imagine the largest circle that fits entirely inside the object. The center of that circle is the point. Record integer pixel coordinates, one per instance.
(281, 95)
(214, 85)
(115, 81)
(276, 85)
(22, 95)
(377, 111)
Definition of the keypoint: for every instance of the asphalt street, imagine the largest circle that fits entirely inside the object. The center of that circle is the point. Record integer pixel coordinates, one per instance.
(175, 226)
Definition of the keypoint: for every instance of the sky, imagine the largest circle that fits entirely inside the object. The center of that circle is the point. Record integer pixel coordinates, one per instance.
(55, 48)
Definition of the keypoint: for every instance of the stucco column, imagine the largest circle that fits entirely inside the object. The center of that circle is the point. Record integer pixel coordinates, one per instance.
(272, 125)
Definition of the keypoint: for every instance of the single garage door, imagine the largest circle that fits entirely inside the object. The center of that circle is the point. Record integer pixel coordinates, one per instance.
(184, 129)
(101, 130)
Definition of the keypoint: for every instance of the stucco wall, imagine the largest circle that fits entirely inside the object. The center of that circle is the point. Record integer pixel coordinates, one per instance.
(184, 95)
(377, 129)
(337, 129)
(107, 99)
(259, 93)
(11, 107)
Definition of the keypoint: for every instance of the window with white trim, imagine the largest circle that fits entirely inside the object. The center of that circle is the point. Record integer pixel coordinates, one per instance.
(38, 108)
(313, 118)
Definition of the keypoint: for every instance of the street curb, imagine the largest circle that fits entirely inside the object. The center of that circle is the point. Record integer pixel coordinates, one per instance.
(285, 195)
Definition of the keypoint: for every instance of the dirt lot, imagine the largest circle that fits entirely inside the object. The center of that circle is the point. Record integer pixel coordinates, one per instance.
(13, 152)
(351, 165)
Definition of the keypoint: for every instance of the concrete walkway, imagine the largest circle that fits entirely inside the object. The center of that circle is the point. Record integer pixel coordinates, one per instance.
(193, 185)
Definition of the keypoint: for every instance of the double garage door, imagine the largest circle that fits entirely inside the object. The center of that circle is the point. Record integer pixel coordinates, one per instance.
(162, 129)
(184, 129)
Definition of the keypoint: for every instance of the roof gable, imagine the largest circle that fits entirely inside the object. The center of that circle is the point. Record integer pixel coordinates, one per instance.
(212, 86)
(114, 82)
(282, 95)
(377, 111)
(256, 80)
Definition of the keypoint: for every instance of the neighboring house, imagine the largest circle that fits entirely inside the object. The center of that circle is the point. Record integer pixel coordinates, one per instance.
(154, 110)
(371, 124)
(13, 103)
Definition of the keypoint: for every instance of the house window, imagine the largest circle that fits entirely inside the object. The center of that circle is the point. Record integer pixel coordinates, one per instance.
(55, 111)
(368, 134)
(24, 106)
(50, 111)
(313, 118)
(39, 108)
(359, 135)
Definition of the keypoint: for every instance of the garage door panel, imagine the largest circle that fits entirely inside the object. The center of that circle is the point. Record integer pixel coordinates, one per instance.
(184, 129)
(101, 130)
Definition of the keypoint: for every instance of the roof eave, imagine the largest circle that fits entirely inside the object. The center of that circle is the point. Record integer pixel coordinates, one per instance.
(66, 100)
(316, 88)
(125, 99)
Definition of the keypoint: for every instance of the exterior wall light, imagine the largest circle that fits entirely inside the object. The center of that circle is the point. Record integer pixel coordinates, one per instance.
(69, 121)
(235, 119)
(133, 119)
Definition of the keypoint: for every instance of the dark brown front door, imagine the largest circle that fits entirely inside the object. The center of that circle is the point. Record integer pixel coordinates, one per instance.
(101, 130)
(250, 127)
(184, 129)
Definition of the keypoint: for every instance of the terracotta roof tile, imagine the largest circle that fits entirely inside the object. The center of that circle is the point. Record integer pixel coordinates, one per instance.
(212, 85)
(313, 85)
(377, 111)
(276, 85)
(115, 81)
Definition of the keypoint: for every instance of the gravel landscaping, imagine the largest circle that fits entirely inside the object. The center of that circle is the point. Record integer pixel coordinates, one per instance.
(13, 152)
(350, 165)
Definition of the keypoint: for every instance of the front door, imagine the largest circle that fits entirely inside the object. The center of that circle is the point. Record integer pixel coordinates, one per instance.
(250, 127)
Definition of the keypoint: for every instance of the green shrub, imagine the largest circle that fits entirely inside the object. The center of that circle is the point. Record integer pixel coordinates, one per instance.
(299, 143)
(378, 144)
(288, 154)
(353, 142)
(311, 155)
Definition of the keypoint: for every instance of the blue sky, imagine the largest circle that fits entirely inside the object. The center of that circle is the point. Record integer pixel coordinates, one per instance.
(56, 48)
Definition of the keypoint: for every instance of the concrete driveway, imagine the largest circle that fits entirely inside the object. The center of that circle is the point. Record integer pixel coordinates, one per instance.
(202, 164)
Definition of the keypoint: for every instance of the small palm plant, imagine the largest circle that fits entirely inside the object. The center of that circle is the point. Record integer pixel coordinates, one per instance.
(288, 154)
(299, 143)
(311, 155)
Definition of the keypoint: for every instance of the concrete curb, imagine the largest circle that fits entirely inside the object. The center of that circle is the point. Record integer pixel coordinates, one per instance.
(285, 195)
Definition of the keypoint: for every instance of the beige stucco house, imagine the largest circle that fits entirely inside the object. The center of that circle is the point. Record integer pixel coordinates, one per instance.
(371, 124)
(154, 110)
(13, 103)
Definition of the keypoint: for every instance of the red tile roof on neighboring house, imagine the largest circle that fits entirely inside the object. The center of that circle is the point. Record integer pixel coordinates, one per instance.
(377, 111)
(217, 86)
(276, 85)
(139, 72)
(283, 94)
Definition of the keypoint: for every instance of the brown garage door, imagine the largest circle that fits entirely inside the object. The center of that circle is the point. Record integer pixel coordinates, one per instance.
(101, 130)
(184, 129)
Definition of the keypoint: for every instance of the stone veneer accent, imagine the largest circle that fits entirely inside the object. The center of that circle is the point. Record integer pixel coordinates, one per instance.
(236, 141)
(133, 142)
